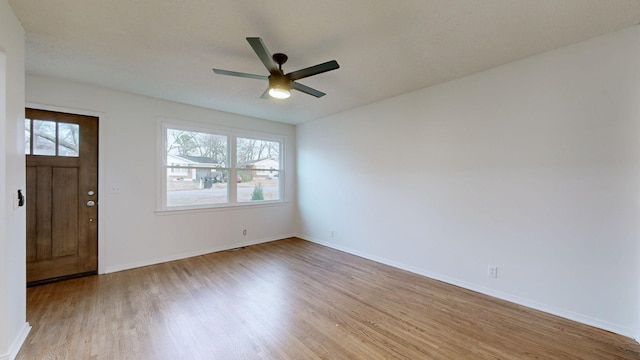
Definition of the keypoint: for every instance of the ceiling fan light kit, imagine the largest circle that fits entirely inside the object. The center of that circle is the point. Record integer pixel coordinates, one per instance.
(279, 87)
(279, 93)
(280, 84)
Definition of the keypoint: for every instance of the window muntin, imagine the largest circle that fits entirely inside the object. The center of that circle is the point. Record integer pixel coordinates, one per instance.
(200, 172)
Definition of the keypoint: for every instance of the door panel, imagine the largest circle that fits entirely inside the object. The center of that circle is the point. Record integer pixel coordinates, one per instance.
(62, 166)
(43, 212)
(64, 215)
(32, 252)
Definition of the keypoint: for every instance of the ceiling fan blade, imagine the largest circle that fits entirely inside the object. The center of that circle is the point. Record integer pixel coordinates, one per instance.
(240, 74)
(265, 95)
(307, 90)
(313, 70)
(261, 50)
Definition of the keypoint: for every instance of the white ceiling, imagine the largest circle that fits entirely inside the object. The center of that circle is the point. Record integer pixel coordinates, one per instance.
(166, 48)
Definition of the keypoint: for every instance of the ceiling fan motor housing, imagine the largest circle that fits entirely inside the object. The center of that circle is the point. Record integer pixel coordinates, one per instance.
(279, 81)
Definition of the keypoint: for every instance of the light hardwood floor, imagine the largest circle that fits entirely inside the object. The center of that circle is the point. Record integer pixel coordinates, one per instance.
(292, 299)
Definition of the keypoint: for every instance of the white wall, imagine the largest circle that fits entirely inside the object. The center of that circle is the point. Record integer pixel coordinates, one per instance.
(532, 167)
(13, 325)
(131, 233)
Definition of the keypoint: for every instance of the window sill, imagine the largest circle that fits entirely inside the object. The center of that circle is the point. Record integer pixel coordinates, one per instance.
(234, 207)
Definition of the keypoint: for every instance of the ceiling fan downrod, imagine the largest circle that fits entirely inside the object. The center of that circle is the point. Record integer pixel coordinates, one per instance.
(280, 59)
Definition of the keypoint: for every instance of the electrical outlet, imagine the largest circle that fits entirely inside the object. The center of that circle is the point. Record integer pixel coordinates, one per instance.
(492, 271)
(244, 232)
(115, 189)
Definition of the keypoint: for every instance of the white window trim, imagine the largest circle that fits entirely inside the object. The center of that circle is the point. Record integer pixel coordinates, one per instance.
(232, 134)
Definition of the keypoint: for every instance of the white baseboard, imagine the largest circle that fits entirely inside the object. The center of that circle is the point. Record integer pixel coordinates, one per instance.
(147, 262)
(17, 343)
(584, 319)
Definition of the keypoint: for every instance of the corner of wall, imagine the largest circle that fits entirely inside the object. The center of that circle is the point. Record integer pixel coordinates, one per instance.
(17, 343)
(13, 326)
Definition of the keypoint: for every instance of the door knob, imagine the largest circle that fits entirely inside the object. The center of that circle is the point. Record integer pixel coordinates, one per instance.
(20, 198)
(91, 203)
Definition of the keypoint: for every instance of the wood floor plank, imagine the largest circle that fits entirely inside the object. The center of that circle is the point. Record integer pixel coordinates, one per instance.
(292, 299)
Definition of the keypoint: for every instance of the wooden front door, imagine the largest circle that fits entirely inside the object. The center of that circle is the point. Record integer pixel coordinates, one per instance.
(62, 195)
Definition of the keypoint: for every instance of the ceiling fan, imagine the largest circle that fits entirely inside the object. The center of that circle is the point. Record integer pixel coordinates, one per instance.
(280, 84)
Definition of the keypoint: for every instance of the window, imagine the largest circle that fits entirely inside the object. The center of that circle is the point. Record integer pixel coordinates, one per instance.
(206, 166)
(51, 138)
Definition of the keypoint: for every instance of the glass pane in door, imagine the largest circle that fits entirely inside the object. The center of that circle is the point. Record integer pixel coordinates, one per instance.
(68, 139)
(44, 137)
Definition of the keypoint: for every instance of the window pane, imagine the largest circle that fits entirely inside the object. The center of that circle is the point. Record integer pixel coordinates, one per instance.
(68, 139)
(258, 169)
(254, 152)
(254, 187)
(197, 170)
(198, 147)
(196, 186)
(27, 136)
(44, 137)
